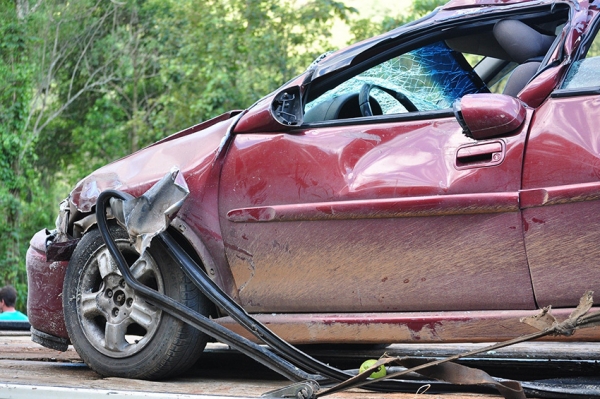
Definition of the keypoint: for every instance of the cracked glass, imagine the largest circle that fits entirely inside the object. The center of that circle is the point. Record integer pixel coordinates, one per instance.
(431, 77)
(585, 73)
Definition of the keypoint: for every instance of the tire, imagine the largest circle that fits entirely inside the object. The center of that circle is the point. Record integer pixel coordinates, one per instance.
(115, 332)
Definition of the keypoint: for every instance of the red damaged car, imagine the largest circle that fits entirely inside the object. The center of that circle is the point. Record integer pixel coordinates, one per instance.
(432, 184)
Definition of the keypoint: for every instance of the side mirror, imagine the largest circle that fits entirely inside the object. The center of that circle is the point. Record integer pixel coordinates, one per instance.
(483, 116)
(287, 107)
(275, 113)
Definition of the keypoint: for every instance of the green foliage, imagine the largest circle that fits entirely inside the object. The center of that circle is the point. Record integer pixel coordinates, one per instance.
(15, 159)
(162, 66)
(362, 28)
(236, 51)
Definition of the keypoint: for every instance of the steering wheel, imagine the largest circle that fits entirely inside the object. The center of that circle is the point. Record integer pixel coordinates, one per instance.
(365, 106)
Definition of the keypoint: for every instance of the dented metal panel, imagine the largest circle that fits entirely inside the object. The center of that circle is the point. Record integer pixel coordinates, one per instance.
(382, 211)
(193, 153)
(45, 279)
(561, 179)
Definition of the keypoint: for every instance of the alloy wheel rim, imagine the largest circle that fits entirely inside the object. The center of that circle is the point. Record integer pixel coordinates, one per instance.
(115, 321)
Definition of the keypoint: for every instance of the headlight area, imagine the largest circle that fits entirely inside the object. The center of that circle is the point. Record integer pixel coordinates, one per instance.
(59, 244)
(46, 261)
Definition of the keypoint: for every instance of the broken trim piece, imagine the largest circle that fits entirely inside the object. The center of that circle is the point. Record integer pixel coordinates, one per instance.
(150, 214)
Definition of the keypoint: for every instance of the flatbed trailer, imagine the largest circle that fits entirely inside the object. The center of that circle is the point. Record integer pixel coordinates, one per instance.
(28, 370)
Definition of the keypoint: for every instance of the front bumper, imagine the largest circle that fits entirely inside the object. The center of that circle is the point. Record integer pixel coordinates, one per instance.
(45, 286)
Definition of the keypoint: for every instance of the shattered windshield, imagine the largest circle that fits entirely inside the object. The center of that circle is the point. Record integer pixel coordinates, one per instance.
(432, 77)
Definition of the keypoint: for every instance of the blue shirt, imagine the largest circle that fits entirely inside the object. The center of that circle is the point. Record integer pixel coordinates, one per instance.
(13, 316)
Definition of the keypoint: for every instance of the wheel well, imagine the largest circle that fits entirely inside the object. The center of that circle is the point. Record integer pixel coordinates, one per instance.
(85, 222)
(187, 247)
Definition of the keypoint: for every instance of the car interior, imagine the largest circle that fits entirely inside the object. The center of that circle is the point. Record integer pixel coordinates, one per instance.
(499, 56)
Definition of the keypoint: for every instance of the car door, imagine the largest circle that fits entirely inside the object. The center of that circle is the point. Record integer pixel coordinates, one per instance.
(399, 211)
(561, 185)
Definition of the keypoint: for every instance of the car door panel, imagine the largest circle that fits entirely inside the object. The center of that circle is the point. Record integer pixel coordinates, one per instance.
(561, 183)
(373, 217)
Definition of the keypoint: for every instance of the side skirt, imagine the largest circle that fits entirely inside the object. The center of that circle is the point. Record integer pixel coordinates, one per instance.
(422, 327)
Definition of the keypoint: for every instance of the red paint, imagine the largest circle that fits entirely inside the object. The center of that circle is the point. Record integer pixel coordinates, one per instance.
(337, 193)
(44, 297)
(491, 115)
(561, 183)
(137, 172)
(459, 204)
(541, 86)
(414, 322)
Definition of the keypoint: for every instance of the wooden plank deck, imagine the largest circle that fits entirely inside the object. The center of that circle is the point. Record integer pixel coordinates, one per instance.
(224, 372)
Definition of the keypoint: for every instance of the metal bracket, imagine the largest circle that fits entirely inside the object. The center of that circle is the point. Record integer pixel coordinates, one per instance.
(299, 390)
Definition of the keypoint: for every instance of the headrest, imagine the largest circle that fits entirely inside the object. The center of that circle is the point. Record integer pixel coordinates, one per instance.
(520, 41)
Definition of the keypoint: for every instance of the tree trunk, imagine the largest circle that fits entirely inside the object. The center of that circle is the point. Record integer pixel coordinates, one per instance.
(22, 9)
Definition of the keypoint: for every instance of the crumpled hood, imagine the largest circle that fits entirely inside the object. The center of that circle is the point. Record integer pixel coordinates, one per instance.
(191, 150)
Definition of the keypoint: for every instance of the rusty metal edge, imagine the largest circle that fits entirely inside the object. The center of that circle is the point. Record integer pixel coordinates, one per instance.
(425, 327)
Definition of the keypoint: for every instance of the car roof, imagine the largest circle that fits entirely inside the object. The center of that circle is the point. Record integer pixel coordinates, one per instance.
(455, 4)
(455, 9)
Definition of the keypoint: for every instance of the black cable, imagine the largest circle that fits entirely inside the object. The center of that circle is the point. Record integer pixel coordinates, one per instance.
(187, 315)
(239, 314)
(281, 362)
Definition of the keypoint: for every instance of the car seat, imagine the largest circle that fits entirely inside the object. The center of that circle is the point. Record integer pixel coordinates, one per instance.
(525, 46)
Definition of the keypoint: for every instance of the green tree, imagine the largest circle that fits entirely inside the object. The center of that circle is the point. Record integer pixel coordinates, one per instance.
(363, 28)
(90, 56)
(166, 65)
(236, 51)
(15, 74)
(49, 60)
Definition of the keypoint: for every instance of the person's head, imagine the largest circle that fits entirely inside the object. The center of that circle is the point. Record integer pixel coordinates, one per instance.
(8, 295)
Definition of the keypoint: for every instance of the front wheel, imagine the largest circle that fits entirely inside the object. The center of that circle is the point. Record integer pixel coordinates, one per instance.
(116, 332)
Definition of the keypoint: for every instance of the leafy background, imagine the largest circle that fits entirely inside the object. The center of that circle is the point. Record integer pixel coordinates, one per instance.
(85, 82)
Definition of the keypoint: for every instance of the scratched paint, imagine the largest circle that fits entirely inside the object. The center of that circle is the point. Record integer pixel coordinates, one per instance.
(561, 233)
(427, 327)
(349, 210)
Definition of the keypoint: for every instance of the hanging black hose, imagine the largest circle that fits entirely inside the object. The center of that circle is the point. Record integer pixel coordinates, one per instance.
(187, 315)
(288, 361)
(236, 312)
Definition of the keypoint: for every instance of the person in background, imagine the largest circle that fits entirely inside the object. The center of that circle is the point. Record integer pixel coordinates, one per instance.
(8, 297)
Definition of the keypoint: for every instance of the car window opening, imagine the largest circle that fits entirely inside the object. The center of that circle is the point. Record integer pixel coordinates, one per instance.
(494, 58)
